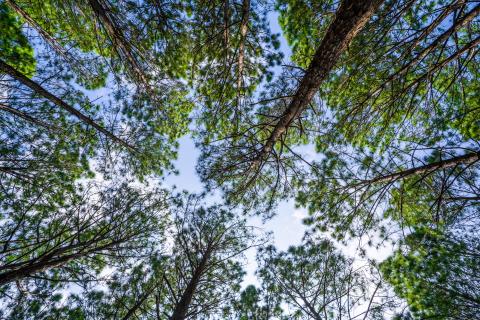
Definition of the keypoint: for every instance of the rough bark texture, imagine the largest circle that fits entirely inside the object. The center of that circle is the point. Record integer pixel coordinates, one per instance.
(350, 18)
(37, 88)
(181, 309)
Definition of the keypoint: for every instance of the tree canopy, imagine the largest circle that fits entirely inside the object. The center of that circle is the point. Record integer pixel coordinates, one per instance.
(365, 113)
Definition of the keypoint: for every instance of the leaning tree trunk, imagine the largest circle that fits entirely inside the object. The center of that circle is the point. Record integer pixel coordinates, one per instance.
(468, 158)
(350, 18)
(56, 258)
(37, 88)
(121, 44)
(241, 49)
(35, 268)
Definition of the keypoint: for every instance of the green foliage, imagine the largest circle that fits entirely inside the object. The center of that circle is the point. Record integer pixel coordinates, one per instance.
(256, 304)
(436, 275)
(404, 94)
(317, 282)
(221, 82)
(206, 252)
(304, 24)
(48, 247)
(15, 48)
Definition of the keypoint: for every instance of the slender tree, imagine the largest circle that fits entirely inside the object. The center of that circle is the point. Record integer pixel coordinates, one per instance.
(351, 16)
(38, 89)
(194, 278)
(318, 282)
(52, 131)
(402, 80)
(256, 304)
(46, 247)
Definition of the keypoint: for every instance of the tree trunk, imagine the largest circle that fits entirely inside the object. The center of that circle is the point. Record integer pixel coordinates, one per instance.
(36, 268)
(468, 158)
(241, 48)
(49, 260)
(350, 18)
(181, 309)
(37, 88)
(118, 39)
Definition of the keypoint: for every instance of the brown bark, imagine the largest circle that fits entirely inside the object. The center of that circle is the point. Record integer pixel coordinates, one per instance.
(37, 88)
(36, 267)
(51, 260)
(437, 42)
(118, 39)
(468, 158)
(350, 18)
(181, 309)
(241, 48)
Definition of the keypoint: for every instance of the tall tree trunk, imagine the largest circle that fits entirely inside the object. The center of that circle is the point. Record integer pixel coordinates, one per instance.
(121, 44)
(37, 88)
(468, 158)
(241, 48)
(226, 23)
(350, 18)
(181, 309)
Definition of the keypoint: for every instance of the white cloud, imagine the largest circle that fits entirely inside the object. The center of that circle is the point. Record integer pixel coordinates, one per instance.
(300, 214)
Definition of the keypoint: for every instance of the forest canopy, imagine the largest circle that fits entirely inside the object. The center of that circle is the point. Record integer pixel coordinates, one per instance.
(364, 113)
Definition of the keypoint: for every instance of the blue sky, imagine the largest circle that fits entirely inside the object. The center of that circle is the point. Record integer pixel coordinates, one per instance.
(286, 226)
